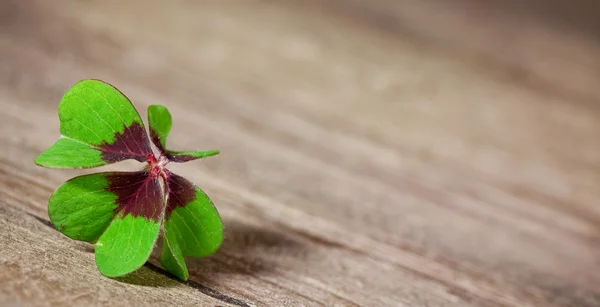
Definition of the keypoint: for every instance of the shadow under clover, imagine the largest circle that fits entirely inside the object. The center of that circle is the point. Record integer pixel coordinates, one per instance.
(246, 250)
(147, 276)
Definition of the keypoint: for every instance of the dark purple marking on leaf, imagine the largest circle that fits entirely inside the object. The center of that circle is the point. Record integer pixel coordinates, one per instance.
(156, 140)
(180, 158)
(181, 192)
(131, 144)
(138, 194)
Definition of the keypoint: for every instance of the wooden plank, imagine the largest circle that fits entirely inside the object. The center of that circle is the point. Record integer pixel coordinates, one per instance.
(370, 156)
(43, 268)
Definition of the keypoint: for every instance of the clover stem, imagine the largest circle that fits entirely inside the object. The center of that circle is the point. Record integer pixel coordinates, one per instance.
(158, 166)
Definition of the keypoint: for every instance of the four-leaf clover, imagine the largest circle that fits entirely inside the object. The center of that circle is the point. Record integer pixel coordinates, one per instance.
(123, 213)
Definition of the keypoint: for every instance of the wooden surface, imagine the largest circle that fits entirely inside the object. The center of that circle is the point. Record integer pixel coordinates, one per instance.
(374, 153)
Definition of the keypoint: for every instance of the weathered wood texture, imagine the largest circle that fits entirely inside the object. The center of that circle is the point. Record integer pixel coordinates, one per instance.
(374, 153)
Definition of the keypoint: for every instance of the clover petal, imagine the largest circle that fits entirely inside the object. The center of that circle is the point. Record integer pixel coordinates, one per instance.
(98, 126)
(120, 211)
(82, 208)
(185, 156)
(192, 228)
(160, 121)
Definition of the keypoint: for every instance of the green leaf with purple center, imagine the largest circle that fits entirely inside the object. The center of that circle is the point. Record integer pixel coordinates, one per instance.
(123, 213)
(160, 126)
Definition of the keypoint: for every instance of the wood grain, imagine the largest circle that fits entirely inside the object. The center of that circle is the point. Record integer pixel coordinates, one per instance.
(374, 153)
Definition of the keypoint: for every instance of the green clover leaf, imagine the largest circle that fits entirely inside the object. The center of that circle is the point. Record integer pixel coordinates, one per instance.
(123, 213)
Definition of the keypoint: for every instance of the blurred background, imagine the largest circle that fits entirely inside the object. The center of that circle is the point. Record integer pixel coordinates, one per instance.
(374, 153)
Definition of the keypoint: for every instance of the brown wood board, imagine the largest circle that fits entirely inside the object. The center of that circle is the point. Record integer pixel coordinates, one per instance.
(374, 153)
